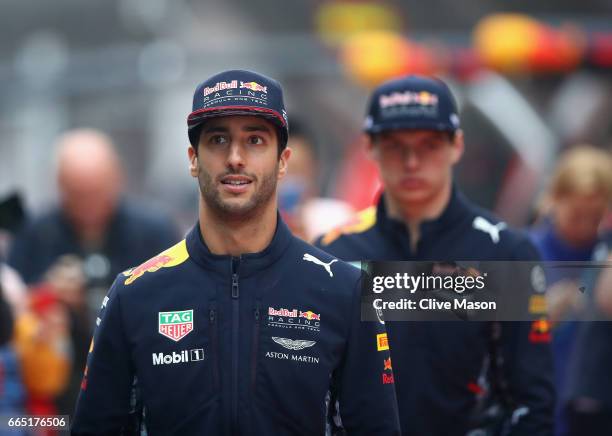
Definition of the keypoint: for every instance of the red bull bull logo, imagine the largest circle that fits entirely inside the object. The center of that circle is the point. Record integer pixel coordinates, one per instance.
(387, 365)
(253, 86)
(150, 265)
(171, 257)
(310, 315)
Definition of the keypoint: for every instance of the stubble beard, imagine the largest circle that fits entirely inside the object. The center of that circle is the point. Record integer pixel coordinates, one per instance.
(237, 212)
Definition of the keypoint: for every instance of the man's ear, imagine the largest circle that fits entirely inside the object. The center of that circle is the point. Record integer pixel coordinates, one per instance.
(193, 161)
(458, 146)
(283, 162)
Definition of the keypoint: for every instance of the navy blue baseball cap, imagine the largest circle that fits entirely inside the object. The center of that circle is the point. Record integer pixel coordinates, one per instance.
(238, 92)
(412, 102)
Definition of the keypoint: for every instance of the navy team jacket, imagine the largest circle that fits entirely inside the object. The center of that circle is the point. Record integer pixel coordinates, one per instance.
(437, 364)
(253, 345)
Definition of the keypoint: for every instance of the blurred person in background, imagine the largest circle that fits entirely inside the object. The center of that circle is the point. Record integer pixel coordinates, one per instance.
(307, 213)
(58, 321)
(573, 211)
(12, 390)
(6, 319)
(93, 221)
(42, 342)
(587, 397)
(100, 231)
(414, 138)
(12, 306)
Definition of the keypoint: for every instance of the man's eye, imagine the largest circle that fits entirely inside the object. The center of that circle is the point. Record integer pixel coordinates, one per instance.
(391, 145)
(433, 145)
(255, 140)
(218, 139)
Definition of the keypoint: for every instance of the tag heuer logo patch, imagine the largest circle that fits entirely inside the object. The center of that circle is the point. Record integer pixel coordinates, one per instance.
(176, 325)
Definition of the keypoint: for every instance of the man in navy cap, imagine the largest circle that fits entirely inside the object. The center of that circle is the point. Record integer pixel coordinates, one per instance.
(241, 328)
(413, 135)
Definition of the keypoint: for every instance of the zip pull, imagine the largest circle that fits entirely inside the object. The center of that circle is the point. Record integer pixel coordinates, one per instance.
(235, 292)
(257, 314)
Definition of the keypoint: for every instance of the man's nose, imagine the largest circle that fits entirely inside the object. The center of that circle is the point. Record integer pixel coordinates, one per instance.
(235, 157)
(410, 157)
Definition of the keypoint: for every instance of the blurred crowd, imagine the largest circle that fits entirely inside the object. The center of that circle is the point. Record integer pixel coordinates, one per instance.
(56, 266)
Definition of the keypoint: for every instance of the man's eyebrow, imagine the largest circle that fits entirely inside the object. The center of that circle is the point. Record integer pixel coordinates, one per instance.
(248, 128)
(257, 128)
(216, 129)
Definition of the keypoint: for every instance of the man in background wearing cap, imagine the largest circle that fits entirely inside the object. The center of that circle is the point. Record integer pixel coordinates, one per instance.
(414, 137)
(241, 328)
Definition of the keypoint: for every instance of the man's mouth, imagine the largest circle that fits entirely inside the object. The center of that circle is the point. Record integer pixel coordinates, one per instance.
(236, 184)
(236, 180)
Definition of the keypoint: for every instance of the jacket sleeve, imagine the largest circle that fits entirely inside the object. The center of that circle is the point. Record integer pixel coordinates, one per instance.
(529, 367)
(366, 397)
(104, 401)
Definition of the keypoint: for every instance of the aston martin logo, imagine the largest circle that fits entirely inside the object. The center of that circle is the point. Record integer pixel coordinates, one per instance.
(293, 344)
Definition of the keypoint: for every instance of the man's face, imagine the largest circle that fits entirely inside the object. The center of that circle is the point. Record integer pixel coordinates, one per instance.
(578, 216)
(415, 165)
(237, 165)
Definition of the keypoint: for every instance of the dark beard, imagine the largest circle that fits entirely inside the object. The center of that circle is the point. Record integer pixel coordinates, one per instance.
(250, 209)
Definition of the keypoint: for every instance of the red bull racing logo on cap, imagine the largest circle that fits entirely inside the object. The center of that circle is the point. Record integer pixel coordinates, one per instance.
(220, 86)
(253, 86)
(171, 257)
(175, 325)
(422, 98)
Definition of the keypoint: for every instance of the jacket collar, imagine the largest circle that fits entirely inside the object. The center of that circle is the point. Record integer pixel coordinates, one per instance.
(456, 208)
(249, 263)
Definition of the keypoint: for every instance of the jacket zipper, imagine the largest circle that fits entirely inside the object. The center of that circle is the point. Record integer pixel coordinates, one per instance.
(212, 320)
(255, 350)
(235, 344)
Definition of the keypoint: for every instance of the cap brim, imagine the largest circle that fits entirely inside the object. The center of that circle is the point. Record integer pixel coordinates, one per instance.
(197, 117)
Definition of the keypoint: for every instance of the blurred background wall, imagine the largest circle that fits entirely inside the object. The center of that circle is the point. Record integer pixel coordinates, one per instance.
(531, 78)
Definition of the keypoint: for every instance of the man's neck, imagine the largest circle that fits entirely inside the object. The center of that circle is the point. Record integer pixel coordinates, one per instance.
(414, 213)
(239, 236)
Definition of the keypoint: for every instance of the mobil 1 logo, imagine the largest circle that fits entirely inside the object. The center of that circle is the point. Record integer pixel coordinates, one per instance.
(184, 356)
